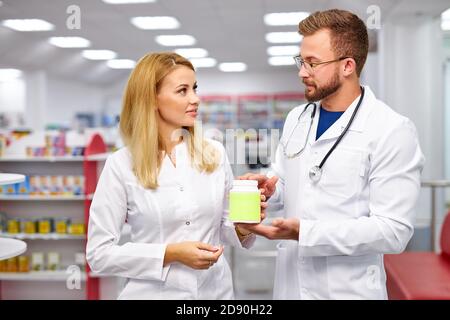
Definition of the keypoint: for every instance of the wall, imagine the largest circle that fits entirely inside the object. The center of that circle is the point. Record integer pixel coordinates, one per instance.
(66, 97)
(12, 95)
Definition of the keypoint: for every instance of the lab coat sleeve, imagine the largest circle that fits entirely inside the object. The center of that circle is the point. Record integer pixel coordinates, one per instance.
(227, 231)
(107, 216)
(394, 186)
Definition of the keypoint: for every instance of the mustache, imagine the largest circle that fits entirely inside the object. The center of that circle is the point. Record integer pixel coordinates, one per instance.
(308, 83)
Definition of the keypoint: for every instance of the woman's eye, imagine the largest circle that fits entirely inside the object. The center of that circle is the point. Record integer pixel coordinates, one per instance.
(182, 91)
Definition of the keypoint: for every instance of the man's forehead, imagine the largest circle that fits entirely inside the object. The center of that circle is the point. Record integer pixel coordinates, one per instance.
(316, 45)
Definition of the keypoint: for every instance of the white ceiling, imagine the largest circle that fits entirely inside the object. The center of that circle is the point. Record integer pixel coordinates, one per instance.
(231, 30)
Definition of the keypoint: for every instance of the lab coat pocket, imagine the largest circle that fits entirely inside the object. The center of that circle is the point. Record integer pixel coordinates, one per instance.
(341, 175)
(286, 282)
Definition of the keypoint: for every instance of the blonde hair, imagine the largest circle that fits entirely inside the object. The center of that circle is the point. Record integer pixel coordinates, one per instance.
(138, 120)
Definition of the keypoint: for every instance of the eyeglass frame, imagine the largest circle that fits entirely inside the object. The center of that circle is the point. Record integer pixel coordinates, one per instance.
(298, 61)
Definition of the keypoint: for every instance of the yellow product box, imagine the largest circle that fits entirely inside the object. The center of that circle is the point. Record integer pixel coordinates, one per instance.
(11, 265)
(61, 225)
(76, 228)
(13, 226)
(29, 226)
(24, 264)
(2, 265)
(45, 225)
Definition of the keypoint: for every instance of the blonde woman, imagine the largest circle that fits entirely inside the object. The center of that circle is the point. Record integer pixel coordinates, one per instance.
(170, 188)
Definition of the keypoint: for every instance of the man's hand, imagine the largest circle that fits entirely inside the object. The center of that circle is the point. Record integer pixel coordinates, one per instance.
(280, 229)
(265, 185)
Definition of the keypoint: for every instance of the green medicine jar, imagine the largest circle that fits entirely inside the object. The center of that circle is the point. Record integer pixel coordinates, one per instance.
(245, 202)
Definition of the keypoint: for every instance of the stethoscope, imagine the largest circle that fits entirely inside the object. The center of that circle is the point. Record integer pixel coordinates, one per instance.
(315, 173)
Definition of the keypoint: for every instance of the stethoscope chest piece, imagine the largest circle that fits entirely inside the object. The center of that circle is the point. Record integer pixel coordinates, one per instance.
(315, 173)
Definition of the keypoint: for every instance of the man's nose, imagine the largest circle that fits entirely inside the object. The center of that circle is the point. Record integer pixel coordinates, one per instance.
(302, 73)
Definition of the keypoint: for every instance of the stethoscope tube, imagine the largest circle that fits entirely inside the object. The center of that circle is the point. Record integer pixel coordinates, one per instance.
(315, 173)
(345, 130)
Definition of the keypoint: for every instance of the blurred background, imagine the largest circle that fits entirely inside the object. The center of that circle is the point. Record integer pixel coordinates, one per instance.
(63, 68)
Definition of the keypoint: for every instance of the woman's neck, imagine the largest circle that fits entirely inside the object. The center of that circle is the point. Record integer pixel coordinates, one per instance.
(169, 138)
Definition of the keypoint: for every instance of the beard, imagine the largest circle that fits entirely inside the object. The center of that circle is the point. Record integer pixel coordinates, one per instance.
(320, 93)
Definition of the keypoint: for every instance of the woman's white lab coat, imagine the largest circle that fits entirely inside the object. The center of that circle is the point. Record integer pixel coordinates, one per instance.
(363, 206)
(187, 206)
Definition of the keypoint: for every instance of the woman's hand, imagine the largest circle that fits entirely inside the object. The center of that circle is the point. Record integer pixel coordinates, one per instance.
(194, 254)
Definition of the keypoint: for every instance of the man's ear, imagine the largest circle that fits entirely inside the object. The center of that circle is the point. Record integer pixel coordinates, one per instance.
(349, 67)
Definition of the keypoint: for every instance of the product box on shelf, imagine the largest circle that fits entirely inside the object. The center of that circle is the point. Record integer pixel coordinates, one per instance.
(37, 261)
(53, 261)
(23, 187)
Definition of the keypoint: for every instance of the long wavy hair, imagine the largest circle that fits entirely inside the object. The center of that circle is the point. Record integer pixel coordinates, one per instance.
(138, 120)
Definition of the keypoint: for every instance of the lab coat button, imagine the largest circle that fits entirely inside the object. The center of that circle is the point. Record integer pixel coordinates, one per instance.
(188, 223)
(181, 188)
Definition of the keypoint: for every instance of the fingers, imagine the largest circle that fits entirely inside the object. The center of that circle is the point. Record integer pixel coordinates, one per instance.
(262, 230)
(270, 186)
(210, 258)
(252, 176)
(272, 181)
(246, 176)
(207, 247)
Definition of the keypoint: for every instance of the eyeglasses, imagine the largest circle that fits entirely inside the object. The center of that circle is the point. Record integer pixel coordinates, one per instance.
(309, 66)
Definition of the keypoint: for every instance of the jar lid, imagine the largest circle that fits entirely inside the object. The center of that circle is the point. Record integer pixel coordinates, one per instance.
(245, 183)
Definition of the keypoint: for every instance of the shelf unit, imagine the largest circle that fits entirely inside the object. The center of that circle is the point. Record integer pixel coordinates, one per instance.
(20, 197)
(218, 111)
(38, 236)
(282, 104)
(38, 276)
(76, 207)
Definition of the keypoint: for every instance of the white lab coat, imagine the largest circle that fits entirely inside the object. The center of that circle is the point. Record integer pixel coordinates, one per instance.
(363, 206)
(187, 206)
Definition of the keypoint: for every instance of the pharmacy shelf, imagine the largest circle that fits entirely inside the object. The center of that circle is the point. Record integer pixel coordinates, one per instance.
(15, 197)
(39, 236)
(38, 276)
(94, 157)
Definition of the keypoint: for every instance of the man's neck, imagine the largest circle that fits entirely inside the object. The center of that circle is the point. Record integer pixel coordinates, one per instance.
(342, 98)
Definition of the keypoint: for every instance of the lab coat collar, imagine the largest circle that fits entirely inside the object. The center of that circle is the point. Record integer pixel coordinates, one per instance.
(359, 121)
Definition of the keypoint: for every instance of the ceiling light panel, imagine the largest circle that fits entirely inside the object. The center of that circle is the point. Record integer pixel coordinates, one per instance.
(69, 42)
(283, 37)
(27, 25)
(155, 23)
(284, 18)
(99, 54)
(175, 40)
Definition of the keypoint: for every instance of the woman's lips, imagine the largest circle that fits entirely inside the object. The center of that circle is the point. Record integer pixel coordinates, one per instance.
(192, 113)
